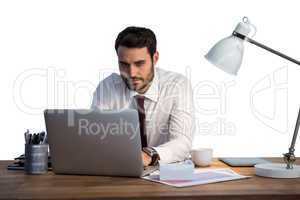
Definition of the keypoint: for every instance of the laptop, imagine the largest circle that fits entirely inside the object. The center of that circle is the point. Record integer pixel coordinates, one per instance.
(94, 142)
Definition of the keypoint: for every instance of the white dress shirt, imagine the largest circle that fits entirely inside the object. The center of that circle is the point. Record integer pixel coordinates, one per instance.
(169, 110)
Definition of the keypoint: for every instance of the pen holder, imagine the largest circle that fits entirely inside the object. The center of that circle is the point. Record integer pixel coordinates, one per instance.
(36, 158)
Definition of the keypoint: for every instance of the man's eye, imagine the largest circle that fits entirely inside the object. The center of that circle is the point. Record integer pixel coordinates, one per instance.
(124, 65)
(140, 64)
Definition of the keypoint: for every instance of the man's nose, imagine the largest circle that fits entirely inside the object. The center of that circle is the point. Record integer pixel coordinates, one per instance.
(132, 71)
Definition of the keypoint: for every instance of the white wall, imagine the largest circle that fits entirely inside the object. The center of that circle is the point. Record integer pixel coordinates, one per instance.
(53, 54)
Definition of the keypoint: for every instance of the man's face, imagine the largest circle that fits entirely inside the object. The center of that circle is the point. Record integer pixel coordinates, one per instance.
(136, 67)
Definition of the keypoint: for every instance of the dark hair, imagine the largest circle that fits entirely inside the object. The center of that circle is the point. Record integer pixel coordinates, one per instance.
(137, 37)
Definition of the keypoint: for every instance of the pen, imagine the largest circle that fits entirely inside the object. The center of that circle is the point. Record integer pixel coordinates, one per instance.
(42, 137)
(45, 139)
(29, 141)
(34, 138)
(26, 135)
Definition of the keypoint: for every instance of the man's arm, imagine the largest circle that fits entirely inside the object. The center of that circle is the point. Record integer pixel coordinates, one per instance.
(146, 159)
(102, 95)
(181, 125)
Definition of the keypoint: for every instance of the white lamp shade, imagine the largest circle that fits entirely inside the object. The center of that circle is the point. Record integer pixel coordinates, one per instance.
(227, 54)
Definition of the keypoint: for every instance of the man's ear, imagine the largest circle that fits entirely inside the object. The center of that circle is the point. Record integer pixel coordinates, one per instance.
(155, 57)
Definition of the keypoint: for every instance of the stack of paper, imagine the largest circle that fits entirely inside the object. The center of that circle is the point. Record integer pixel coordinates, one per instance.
(200, 177)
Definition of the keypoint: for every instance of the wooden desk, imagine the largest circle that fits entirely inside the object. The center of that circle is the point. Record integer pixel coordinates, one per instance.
(17, 185)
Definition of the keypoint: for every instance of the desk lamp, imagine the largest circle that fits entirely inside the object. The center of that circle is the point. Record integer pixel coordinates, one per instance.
(227, 55)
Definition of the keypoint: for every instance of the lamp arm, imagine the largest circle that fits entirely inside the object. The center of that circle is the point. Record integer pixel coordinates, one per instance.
(296, 131)
(243, 37)
(289, 157)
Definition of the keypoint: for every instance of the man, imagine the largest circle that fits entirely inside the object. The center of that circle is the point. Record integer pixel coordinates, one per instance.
(164, 99)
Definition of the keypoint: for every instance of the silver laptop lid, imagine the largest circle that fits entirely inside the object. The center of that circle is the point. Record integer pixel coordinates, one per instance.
(94, 142)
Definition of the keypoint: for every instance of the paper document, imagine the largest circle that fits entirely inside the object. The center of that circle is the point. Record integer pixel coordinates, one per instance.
(201, 176)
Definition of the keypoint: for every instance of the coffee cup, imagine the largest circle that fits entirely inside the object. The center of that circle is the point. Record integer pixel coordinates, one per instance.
(202, 156)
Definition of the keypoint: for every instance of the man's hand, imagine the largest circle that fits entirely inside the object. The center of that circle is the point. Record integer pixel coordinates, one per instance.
(146, 159)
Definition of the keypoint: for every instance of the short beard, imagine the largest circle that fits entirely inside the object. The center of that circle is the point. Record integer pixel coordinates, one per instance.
(147, 81)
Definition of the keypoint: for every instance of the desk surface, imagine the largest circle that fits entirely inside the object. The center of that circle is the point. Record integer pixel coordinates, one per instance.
(17, 185)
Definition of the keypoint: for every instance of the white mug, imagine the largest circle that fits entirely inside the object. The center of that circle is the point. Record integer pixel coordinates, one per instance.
(202, 156)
